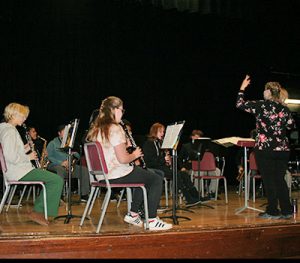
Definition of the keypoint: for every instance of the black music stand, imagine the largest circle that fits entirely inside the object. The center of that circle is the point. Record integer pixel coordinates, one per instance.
(171, 141)
(67, 145)
(198, 147)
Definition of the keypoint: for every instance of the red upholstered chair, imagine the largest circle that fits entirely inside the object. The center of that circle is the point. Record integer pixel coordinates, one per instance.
(11, 186)
(97, 166)
(208, 164)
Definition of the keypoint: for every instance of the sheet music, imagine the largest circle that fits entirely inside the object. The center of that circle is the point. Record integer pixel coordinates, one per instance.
(65, 138)
(171, 136)
(230, 141)
(73, 132)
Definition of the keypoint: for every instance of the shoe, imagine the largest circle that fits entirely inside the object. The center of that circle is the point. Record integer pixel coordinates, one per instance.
(268, 216)
(193, 202)
(288, 216)
(38, 218)
(156, 224)
(211, 196)
(84, 198)
(134, 220)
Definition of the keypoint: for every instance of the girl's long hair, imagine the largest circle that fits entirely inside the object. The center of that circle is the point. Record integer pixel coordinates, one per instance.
(104, 119)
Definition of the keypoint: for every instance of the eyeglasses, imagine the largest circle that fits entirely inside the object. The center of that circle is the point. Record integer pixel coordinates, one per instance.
(123, 110)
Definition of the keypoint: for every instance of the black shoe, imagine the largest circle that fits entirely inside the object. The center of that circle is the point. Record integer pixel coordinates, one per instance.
(84, 198)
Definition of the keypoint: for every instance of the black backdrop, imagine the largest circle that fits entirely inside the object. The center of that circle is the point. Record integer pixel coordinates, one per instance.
(62, 57)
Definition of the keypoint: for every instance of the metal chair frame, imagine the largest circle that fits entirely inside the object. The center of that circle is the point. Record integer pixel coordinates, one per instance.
(97, 166)
(11, 186)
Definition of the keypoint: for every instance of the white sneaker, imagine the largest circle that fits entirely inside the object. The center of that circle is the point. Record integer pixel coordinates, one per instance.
(156, 224)
(134, 220)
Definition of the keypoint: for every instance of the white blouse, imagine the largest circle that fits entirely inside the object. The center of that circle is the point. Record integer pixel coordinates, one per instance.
(115, 168)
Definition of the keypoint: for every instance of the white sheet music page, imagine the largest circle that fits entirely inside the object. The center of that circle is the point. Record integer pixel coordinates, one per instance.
(66, 133)
(171, 136)
(230, 141)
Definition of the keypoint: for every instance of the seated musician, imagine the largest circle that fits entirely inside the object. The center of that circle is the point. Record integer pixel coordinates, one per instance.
(187, 153)
(157, 158)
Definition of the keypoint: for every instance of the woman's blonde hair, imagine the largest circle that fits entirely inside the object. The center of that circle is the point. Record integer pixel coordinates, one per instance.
(283, 95)
(274, 88)
(105, 118)
(13, 109)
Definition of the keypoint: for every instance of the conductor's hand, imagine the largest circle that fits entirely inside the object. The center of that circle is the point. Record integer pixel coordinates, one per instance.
(245, 83)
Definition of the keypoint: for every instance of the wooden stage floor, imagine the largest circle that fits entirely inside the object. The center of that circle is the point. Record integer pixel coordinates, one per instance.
(242, 235)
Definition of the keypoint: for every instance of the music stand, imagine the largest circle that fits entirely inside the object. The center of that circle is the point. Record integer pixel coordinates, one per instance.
(245, 145)
(198, 147)
(171, 141)
(67, 144)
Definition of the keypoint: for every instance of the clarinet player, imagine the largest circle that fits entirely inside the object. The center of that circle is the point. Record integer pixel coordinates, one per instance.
(19, 166)
(107, 130)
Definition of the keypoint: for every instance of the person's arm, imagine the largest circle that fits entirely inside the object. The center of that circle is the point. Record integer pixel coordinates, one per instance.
(246, 82)
(123, 156)
(118, 140)
(13, 148)
(248, 106)
(53, 155)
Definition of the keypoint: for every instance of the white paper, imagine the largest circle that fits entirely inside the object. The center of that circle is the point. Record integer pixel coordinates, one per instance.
(171, 136)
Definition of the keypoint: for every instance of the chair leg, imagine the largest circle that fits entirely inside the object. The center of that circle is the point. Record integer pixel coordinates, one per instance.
(166, 192)
(129, 198)
(253, 189)
(146, 207)
(120, 197)
(104, 207)
(11, 195)
(95, 195)
(202, 187)
(29, 192)
(225, 189)
(217, 189)
(87, 206)
(4, 198)
(45, 201)
(22, 195)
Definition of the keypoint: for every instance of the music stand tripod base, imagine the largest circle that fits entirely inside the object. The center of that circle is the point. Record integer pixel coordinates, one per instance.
(69, 216)
(174, 217)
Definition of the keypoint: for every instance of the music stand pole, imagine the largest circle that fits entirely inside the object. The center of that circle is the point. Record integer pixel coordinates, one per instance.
(174, 217)
(246, 144)
(69, 215)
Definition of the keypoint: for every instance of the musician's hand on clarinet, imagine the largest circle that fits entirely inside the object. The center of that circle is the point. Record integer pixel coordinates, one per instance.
(33, 156)
(137, 153)
(168, 159)
(27, 147)
(137, 162)
(65, 164)
(245, 83)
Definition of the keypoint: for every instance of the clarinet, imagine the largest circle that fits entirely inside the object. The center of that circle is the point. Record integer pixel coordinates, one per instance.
(129, 136)
(31, 144)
